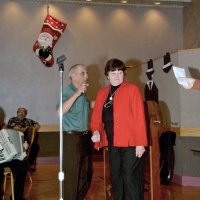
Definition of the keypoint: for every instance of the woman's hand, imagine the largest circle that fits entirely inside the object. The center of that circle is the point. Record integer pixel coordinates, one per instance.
(96, 136)
(139, 151)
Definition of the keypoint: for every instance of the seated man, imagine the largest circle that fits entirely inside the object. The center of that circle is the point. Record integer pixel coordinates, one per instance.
(21, 123)
(19, 168)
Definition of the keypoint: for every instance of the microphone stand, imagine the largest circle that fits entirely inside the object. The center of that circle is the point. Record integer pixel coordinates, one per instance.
(61, 173)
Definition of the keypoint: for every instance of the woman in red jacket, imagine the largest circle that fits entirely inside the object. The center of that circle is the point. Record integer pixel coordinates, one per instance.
(118, 121)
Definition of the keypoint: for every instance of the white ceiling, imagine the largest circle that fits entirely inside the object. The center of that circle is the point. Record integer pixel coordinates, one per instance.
(163, 3)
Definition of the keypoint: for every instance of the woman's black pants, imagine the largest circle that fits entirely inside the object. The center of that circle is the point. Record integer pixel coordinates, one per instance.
(127, 173)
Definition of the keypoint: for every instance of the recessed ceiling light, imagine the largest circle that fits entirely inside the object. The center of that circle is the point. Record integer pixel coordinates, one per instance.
(157, 3)
(124, 1)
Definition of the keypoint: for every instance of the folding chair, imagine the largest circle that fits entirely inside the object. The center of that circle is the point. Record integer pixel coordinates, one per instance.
(30, 136)
(8, 174)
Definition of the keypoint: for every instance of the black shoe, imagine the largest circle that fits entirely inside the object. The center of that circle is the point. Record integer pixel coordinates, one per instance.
(33, 168)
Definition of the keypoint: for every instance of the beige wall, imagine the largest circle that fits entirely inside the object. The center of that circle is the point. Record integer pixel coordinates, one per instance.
(93, 35)
(191, 25)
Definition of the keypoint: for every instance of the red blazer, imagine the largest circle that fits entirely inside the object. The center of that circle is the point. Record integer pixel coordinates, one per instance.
(128, 114)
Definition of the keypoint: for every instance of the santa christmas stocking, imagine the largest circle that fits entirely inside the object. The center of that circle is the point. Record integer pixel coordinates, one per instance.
(51, 31)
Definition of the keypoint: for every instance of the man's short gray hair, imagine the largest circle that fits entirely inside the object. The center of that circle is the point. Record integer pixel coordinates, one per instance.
(73, 68)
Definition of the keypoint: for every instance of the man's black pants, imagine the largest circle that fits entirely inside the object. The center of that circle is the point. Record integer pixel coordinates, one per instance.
(77, 151)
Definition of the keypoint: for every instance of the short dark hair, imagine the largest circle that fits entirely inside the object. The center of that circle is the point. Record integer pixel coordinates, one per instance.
(113, 65)
(25, 110)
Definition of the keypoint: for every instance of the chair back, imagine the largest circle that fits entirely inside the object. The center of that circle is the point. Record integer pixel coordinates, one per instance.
(29, 135)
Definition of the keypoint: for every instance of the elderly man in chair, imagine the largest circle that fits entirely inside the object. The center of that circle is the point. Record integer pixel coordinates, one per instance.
(21, 123)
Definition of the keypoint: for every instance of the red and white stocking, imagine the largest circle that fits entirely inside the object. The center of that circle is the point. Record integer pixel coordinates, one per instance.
(51, 31)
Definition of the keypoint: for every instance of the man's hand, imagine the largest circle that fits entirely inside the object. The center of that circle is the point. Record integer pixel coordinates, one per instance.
(139, 151)
(96, 136)
(82, 88)
(18, 128)
(26, 145)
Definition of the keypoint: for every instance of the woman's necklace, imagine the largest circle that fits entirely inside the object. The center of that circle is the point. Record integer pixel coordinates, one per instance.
(112, 94)
(109, 100)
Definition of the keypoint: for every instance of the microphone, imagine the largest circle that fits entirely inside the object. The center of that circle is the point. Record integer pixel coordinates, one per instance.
(61, 59)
